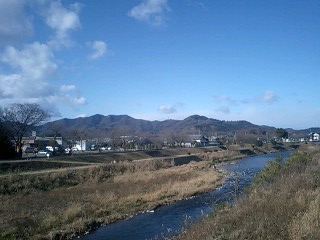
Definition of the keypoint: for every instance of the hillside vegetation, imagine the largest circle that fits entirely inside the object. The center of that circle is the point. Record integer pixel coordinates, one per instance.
(283, 203)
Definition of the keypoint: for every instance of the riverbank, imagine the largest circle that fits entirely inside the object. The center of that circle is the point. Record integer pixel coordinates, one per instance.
(63, 212)
(100, 193)
(283, 203)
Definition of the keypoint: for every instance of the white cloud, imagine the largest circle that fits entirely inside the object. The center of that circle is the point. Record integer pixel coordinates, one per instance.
(26, 71)
(62, 21)
(78, 100)
(15, 24)
(269, 97)
(16, 19)
(34, 61)
(167, 109)
(9, 85)
(67, 95)
(152, 12)
(67, 88)
(99, 48)
(31, 68)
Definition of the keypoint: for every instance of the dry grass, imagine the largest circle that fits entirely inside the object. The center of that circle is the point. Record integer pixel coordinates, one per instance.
(220, 156)
(85, 198)
(51, 204)
(27, 182)
(288, 207)
(49, 179)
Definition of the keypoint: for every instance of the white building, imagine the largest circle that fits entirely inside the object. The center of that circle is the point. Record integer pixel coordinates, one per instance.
(81, 145)
(314, 137)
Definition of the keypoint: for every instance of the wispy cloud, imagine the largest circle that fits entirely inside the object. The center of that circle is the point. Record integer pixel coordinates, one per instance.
(167, 109)
(267, 97)
(99, 48)
(224, 99)
(62, 20)
(223, 109)
(196, 4)
(152, 12)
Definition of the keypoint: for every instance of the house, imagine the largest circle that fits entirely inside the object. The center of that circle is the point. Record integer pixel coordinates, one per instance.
(58, 140)
(41, 142)
(314, 137)
(187, 145)
(84, 144)
(214, 141)
(80, 145)
(198, 140)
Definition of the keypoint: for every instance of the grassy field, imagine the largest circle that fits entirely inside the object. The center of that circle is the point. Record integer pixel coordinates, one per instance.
(283, 203)
(64, 196)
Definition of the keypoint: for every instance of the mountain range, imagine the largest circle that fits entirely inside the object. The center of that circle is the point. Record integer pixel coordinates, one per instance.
(124, 125)
(112, 126)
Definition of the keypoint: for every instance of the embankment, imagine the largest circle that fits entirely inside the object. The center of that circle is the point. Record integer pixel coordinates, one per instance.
(283, 203)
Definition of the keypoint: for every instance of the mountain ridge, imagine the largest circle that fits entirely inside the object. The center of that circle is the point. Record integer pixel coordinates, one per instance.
(114, 126)
(99, 125)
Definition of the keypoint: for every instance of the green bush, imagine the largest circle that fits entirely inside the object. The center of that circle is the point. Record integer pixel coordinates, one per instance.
(269, 173)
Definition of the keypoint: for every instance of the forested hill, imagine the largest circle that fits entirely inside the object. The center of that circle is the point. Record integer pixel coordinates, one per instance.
(120, 125)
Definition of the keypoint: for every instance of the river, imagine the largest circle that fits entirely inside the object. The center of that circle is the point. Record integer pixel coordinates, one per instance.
(167, 221)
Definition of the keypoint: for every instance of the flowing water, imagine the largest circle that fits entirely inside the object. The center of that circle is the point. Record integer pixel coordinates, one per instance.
(167, 221)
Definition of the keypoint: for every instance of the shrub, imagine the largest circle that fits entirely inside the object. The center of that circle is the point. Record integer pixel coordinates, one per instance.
(269, 173)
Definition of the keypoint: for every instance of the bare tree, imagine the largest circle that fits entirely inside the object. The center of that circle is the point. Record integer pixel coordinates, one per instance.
(21, 118)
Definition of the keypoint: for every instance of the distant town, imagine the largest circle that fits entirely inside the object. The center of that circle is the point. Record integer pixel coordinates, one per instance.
(26, 134)
(34, 143)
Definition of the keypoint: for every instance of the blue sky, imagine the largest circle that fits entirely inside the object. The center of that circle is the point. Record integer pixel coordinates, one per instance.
(164, 59)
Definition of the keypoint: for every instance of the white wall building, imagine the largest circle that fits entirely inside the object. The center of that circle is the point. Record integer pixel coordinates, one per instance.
(81, 145)
(314, 137)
